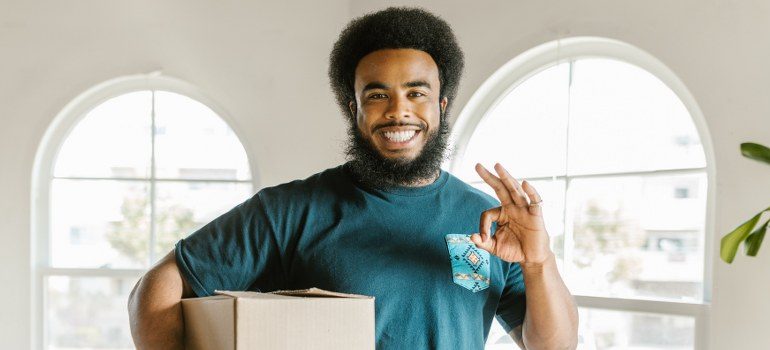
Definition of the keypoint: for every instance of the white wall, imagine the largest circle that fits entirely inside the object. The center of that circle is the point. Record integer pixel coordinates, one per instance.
(266, 65)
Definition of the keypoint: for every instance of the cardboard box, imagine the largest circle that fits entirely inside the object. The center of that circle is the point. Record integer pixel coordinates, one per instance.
(300, 319)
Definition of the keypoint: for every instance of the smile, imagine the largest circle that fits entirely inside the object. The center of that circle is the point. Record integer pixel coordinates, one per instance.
(400, 136)
(398, 139)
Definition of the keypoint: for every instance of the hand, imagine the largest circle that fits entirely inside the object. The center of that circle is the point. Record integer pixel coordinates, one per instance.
(520, 236)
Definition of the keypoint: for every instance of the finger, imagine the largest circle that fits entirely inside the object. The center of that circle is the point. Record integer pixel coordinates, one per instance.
(488, 245)
(513, 186)
(502, 193)
(486, 220)
(534, 197)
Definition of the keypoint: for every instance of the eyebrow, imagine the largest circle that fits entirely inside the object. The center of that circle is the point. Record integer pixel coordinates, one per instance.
(375, 85)
(417, 83)
(410, 84)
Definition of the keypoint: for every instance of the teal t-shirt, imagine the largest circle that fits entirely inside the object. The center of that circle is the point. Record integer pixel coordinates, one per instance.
(332, 232)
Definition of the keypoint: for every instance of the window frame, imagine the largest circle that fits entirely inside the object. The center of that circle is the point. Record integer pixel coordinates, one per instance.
(42, 177)
(539, 58)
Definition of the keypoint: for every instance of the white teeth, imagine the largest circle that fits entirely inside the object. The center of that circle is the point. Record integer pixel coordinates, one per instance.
(400, 136)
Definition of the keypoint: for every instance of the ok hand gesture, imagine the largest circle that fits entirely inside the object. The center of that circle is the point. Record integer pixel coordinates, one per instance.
(520, 236)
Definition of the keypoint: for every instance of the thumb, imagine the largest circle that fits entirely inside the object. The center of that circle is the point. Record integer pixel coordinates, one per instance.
(488, 245)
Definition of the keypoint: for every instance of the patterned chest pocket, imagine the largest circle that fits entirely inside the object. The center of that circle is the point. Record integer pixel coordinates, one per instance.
(470, 265)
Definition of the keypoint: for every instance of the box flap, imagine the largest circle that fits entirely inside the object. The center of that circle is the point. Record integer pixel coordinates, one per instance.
(281, 294)
(250, 295)
(317, 292)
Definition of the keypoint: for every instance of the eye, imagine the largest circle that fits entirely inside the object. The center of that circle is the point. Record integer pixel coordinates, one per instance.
(416, 94)
(377, 96)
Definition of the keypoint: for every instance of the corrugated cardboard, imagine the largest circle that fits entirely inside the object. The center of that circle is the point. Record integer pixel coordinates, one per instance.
(312, 319)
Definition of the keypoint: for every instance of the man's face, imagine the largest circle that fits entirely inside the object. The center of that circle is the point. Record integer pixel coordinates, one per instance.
(398, 104)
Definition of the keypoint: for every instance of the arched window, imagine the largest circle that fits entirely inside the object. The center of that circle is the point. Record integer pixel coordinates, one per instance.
(126, 170)
(615, 145)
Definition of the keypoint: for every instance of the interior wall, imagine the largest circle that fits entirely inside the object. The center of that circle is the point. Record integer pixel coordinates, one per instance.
(265, 63)
(717, 48)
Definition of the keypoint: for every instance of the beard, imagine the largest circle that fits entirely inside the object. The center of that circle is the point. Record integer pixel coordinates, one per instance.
(373, 169)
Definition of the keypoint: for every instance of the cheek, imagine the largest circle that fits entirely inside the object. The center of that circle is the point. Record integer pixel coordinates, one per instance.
(367, 116)
(431, 114)
(364, 124)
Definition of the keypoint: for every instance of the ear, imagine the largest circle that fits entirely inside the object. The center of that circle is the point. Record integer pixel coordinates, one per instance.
(352, 108)
(442, 104)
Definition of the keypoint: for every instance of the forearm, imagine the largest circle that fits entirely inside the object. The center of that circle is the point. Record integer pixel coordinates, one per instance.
(155, 310)
(551, 320)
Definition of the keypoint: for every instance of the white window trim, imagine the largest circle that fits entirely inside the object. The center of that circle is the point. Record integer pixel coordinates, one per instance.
(539, 58)
(42, 174)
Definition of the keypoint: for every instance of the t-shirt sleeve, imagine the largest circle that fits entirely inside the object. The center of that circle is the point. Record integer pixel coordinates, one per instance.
(512, 306)
(236, 251)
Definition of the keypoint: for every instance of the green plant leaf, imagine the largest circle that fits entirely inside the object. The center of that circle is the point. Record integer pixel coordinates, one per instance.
(756, 151)
(730, 242)
(754, 240)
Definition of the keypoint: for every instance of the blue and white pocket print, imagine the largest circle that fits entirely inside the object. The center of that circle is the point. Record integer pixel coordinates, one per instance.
(470, 265)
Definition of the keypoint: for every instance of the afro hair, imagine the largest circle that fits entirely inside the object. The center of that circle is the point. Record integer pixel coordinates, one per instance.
(394, 28)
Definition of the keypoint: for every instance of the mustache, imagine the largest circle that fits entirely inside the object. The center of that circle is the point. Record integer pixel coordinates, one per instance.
(422, 126)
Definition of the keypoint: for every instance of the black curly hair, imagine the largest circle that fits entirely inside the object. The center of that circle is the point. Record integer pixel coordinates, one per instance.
(394, 28)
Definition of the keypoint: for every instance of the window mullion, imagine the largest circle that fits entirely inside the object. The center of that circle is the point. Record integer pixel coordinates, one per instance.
(148, 179)
(90, 272)
(151, 255)
(663, 307)
(646, 173)
(568, 241)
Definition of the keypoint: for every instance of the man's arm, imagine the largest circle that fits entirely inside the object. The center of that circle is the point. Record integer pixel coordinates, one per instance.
(155, 308)
(551, 319)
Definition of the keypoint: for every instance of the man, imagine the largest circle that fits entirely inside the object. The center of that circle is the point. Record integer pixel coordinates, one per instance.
(389, 223)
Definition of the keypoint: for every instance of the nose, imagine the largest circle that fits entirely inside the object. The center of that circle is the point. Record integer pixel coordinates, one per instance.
(398, 107)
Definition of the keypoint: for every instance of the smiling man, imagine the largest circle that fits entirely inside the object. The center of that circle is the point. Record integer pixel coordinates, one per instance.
(388, 223)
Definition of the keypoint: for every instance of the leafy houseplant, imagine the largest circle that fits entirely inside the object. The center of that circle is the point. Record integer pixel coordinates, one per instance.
(749, 232)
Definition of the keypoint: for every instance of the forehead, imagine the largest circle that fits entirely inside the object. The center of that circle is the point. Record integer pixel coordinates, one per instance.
(396, 66)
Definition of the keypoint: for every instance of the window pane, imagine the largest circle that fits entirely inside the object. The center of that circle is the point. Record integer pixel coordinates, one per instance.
(525, 131)
(622, 118)
(183, 207)
(88, 312)
(605, 329)
(636, 236)
(99, 223)
(112, 140)
(193, 142)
